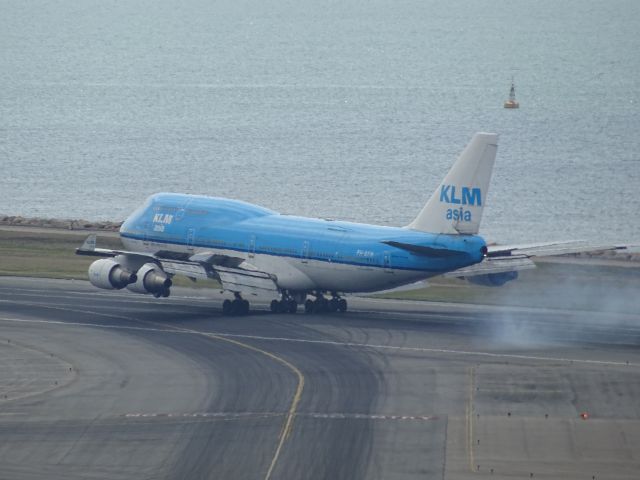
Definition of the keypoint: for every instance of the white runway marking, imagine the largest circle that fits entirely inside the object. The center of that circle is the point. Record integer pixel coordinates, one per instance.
(444, 351)
(205, 415)
(128, 297)
(231, 415)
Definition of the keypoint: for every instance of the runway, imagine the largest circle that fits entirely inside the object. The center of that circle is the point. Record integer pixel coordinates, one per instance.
(98, 384)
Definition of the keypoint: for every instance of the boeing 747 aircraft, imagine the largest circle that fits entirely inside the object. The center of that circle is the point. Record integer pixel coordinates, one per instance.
(252, 250)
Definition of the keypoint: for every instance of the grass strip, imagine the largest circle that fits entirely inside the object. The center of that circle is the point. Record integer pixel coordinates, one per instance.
(553, 285)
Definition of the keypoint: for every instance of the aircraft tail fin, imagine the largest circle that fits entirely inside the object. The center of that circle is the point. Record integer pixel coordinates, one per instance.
(456, 206)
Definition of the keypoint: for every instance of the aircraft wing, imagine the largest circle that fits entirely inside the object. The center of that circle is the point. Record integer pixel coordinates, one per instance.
(234, 273)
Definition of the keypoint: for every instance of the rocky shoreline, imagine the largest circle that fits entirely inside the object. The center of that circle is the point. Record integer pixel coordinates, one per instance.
(58, 223)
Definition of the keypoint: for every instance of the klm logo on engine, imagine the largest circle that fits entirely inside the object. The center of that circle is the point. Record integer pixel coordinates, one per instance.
(467, 196)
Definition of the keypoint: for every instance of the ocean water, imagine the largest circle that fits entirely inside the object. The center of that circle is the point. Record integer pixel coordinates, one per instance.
(351, 110)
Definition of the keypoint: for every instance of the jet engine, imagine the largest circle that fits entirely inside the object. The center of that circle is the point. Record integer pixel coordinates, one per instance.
(151, 279)
(493, 279)
(109, 274)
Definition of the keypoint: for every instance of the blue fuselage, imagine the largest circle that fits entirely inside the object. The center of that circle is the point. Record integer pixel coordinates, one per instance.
(303, 253)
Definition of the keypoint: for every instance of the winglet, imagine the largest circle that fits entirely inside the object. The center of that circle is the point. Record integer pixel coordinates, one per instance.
(89, 244)
(456, 206)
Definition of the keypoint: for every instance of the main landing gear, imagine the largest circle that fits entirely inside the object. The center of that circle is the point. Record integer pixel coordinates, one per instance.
(322, 305)
(289, 304)
(286, 305)
(237, 306)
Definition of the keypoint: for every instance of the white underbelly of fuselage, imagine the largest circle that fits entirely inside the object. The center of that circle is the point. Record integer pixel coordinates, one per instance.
(299, 274)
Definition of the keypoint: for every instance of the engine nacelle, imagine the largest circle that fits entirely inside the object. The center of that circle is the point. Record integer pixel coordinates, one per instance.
(109, 274)
(151, 279)
(493, 279)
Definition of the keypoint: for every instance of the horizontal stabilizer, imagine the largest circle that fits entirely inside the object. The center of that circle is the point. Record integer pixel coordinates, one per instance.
(494, 265)
(420, 285)
(502, 259)
(425, 251)
(549, 249)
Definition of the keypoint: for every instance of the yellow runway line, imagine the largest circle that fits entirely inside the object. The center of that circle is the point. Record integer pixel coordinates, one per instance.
(288, 424)
(469, 412)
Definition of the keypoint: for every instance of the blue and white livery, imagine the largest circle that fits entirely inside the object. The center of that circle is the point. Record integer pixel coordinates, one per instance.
(252, 250)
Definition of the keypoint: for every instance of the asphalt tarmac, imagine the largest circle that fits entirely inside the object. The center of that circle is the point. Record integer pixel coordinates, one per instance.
(97, 384)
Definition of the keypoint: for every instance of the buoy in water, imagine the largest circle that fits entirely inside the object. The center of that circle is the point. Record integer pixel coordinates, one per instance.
(512, 102)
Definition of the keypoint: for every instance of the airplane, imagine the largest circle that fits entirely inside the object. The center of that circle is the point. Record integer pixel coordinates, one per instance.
(252, 250)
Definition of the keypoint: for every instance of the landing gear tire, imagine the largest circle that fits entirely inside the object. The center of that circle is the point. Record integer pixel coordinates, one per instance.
(308, 306)
(292, 306)
(226, 307)
(164, 293)
(333, 305)
(342, 305)
(243, 307)
(321, 305)
(238, 306)
(275, 306)
(283, 306)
